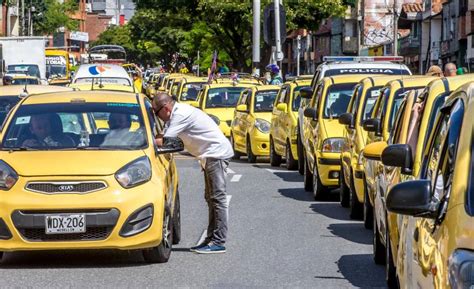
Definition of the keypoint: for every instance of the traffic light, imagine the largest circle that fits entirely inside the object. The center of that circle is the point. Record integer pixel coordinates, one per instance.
(269, 24)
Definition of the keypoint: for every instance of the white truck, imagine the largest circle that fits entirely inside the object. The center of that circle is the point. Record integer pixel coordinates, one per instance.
(23, 55)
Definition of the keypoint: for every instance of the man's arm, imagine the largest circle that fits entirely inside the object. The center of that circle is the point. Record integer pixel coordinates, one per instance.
(159, 140)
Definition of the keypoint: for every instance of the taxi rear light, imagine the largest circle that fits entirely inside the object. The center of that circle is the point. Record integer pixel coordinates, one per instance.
(362, 58)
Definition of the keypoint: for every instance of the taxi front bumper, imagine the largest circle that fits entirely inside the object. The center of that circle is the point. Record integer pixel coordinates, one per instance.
(329, 168)
(107, 212)
(260, 143)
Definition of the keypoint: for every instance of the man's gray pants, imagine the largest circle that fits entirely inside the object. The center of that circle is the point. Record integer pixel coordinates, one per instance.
(215, 195)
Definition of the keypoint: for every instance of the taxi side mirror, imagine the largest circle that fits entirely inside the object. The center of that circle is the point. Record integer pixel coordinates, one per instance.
(347, 119)
(310, 113)
(282, 107)
(412, 198)
(306, 92)
(371, 125)
(241, 108)
(398, 155)
(171, 145)
(374, 150)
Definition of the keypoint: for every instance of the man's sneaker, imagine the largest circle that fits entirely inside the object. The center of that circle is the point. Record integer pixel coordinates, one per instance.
(210, 249)
(203, 244)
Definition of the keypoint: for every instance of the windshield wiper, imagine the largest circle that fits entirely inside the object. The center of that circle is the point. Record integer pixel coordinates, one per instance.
(19, 149)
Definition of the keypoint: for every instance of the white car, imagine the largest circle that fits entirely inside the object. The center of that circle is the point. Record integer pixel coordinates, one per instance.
(106, 74)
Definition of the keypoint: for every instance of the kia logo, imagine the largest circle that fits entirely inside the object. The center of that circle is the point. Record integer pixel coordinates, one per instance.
(66, 188)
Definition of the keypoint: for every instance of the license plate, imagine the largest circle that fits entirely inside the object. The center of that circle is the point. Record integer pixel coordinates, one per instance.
(65, 224)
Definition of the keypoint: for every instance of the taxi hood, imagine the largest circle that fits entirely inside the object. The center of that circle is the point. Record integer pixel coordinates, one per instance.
(68, 163)
(332, 128)
(223, 113)
(264, 115)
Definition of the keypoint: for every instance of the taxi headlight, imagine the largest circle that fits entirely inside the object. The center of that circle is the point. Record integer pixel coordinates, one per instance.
(215, 119)
(333, 145)
(8, 176)
(461, 269)
(134, 173)
(262, 125)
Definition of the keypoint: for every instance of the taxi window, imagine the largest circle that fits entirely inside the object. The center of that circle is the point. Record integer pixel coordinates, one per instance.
(297, 97)
(245, 94)
(382, 103)
(282, 94)
(223, 97)
(371, 96)
(6, 104)
(264, 100)
(63, 126)
(337, 99)
(395, 135)
(174, 89)
(354, 103)
(439, 101)
(397, 101)
(191, 91)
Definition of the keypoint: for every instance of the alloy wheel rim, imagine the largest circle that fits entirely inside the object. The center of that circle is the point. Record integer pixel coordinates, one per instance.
(315, 179)
(166, 231)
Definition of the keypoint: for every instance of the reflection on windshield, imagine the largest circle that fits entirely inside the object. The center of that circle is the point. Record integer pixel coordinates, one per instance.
(103, 80)
(74, 126)
(23, 81)
(338, 97)
(6, 104)
(370, 99)
(223, 96)
(191, 91)
(264, 100)
(297, 97)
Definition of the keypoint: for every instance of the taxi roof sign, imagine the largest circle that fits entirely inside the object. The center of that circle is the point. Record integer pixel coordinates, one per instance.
(362, 58)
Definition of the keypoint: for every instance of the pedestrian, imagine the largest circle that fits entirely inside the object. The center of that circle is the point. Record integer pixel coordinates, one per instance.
(203, 139)
(450, 69)
(435, 70)
(275, 78)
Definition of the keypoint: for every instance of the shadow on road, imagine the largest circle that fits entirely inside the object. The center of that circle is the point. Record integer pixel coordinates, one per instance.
(331, 210)
(361, 271)
(354, 232)
(298, 194)
(72, 259)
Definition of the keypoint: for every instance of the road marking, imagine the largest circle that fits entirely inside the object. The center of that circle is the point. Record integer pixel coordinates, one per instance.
(203, 236)
(279, 171)
(235, 178)
(230, 171)
(228, 197)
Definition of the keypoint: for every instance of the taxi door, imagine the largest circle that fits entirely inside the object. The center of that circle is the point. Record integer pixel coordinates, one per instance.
(349, 134)
(238, 123)
(280, 121)
(311, 127)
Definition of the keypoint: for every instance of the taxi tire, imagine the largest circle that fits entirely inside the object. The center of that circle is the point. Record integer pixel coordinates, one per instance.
(237, 154)
(299, 151)
(308, 177)
(162, 252)
(177, 220)
(357, 208)
(275, 159)
(320, 191)
(368, 210)
(390, 269)
(291, 163)
(344, 191)
(378, 248)
(251, 158)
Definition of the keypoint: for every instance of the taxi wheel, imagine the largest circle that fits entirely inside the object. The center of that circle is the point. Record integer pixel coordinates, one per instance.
(357, 208)
(344, 191)
(291, 163)
(162, 252)
(177, 220)
(237, 155)
(308, 177)
(368, 210)
(299, 149)
(390, 269)
(320, 191)
(275, 159)
(377, 246)
(251, 158)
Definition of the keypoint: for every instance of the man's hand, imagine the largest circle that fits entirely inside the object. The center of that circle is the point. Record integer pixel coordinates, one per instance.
(159, 141)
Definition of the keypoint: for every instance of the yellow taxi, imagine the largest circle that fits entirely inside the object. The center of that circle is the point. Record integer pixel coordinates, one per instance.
(109, 189)
(239, 77)
(152, 85)
(136, 74)
(323, 134)
(168, 81)
(219, 101)
(251, 123)
(436, 212)
(351, 179)
(283, 128)
(411, 134)
(187, 88)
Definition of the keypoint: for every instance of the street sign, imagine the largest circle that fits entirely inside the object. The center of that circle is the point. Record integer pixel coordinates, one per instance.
(269, 24)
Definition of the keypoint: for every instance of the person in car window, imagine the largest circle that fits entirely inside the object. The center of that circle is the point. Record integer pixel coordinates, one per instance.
(119, 125)
(47, 131)
(203, 139)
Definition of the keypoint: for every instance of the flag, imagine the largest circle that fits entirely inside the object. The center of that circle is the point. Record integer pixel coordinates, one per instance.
(213, 68)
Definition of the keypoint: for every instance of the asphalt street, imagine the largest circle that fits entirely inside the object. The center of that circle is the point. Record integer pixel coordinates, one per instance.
(279, 237)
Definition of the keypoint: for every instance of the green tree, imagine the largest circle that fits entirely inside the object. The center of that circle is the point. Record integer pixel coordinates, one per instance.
(50, 15)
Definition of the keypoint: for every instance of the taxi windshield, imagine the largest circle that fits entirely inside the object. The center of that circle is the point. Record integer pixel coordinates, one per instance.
(103, 80)
(7, 102)
(264, 100)
(338, 97)
(297, 98)
(56, 70)
(69, 126)
(191, 90)
(223, 97)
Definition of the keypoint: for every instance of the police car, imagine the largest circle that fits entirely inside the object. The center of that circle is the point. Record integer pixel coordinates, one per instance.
(337, 65)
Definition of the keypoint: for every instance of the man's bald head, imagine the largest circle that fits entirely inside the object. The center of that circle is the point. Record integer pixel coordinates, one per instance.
(450, 69)
(163, 105)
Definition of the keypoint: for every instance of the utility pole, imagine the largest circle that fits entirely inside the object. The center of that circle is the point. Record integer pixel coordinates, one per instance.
(198, 58)
(278, 52)
(22, 30)
(395, 28)
(298, 54)
(118, 13)
(256, 37)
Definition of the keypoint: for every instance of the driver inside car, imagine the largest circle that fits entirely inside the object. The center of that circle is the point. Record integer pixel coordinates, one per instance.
(47, 131)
